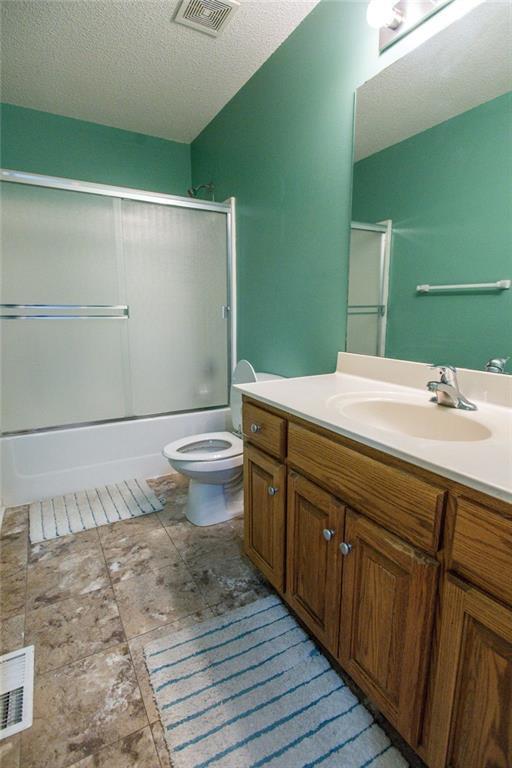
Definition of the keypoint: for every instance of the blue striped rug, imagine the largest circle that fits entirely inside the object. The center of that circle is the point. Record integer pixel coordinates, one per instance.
(250, 689)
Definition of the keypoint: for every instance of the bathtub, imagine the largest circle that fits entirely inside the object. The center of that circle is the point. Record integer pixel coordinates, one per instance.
(36, 466)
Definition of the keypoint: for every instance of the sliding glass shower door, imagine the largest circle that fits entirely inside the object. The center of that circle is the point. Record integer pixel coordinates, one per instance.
(111, 307)
(176, 270)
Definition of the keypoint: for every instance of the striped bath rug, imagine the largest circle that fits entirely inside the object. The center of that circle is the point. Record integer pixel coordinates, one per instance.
(250, 689)
(75, 512)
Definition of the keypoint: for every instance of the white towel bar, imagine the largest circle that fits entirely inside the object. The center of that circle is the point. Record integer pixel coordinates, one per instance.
(500, 285)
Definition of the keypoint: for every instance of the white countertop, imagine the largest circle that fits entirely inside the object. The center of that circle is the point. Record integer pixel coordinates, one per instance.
(484, 464)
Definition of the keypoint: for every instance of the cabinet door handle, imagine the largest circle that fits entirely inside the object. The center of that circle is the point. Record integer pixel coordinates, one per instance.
(328, 533)
(272, 490)
(345, 548)
(256, 428)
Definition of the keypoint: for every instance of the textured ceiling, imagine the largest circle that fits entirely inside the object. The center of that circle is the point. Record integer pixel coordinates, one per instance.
(124, 63)
(466, 64)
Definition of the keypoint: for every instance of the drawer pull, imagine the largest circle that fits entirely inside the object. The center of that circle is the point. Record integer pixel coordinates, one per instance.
(256, 428)
(345, 548)
(328, 533)
(272, 490)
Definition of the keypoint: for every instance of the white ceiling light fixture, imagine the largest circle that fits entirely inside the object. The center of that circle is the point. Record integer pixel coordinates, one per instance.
(383, 13)
(396, 18)
(209, 16)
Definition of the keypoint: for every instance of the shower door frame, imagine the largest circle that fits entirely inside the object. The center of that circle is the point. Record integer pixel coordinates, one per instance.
(127, 193)
(384, 228)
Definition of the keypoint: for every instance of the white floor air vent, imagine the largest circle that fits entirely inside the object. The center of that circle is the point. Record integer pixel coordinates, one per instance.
(16, 691)
(210, 16)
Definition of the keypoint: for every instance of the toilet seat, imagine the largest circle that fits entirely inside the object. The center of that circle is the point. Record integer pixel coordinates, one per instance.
(205, 447)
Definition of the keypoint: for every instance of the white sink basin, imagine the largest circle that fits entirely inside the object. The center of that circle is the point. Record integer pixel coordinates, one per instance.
(425, 420)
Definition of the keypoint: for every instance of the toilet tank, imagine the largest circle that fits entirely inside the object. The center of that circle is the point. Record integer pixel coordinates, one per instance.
(261, 376)
(244, 373)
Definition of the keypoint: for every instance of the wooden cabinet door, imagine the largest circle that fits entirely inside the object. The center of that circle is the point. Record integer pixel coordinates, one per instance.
(472, 706)
(315, 527)
(387, 612)
(264, 514)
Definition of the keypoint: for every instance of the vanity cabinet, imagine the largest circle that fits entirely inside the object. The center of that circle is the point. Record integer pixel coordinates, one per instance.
(472, 708)
(479, 547)
(315, 522)
(387, 612)
(405, 578)
(264, 518)
(397, 499)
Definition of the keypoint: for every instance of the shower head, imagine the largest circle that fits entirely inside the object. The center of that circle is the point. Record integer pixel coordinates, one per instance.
(210, 187)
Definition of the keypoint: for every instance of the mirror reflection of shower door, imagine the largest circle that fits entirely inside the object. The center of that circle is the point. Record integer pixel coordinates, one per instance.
(118, 307)
(368, 288)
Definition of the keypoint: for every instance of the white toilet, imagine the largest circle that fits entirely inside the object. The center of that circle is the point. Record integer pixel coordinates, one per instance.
(214, 461)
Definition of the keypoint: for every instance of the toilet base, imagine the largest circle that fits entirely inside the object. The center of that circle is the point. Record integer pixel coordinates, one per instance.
(209, 504)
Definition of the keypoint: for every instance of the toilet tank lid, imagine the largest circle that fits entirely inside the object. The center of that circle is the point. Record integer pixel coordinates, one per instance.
(244, 373)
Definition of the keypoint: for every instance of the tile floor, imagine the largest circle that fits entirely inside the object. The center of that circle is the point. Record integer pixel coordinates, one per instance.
(89, 603)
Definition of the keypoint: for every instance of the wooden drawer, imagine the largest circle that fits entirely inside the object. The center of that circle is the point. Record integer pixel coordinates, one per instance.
(398, 500)
(481, 548)
(265, 430)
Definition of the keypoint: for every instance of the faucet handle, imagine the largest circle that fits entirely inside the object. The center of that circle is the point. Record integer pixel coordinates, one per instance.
(447, 373)
(446, 366)
(496, 364)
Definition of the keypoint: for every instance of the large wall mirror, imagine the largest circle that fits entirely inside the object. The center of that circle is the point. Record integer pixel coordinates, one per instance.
(431, 245)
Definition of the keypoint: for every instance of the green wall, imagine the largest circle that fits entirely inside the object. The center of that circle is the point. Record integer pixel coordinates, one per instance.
(448, 192)
(283, 147)
(40, 142)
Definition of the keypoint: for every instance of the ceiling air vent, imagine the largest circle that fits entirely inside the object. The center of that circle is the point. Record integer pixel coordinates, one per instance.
(210, 16)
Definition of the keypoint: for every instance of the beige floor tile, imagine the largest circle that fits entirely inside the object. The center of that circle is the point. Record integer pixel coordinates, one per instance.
(12, 593)
(137, 645)
(66, 567)
(137, 750)
(242, 598)
(10, 752)
(82, 707)
(15, 520)
(71, 629)
(131, 552)
(197, 544)
(174, 509)
(157, 598)
(160, 744)
(13, 552)
(221, 577)
(134, 525)
(12, 633)
(45, 551)
(237, 523)
(167, 486)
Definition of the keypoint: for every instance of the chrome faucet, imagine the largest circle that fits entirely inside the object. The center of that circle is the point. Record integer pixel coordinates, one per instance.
(446, 390)
(496, 364)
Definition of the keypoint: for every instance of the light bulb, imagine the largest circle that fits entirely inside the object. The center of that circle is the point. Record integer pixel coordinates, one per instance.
(382, 13)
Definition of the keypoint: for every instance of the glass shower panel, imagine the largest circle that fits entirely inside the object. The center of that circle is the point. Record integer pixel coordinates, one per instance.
(176, 280)
(58, 372)
(362, 334)
(364, 292)
(59, 248)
